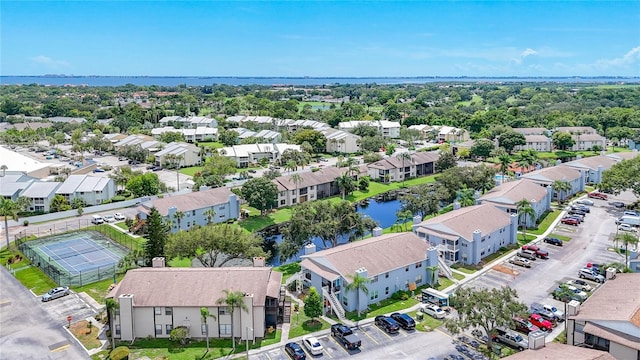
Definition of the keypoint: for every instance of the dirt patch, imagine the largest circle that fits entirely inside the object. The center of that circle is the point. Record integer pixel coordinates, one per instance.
(88, 336)
(505, 270)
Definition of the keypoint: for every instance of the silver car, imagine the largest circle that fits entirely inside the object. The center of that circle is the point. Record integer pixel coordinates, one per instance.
(56, 293)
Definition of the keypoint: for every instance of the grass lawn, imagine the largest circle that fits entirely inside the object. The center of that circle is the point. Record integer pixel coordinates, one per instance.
(458, 276)
(119, 237)
(165, 349)
(191, 170)
(522, 240)
(35, 280)
(386, 306)
(122, 225)
(213, 144)
(288, 270)
(98, 290)
(427, 323)
(300, 324)
(561, 237)
(87, 337)
(257, 222)
(500, 253)
(13, 254)
(376, 188)
(476, 99)
(467, 269)
(443, 283)
(545, 223)
(180, 262)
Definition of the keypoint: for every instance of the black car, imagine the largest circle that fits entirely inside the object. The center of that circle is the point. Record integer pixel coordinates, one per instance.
(617, 204)
(295, 351)
(553, 241)
(577, 212)
(406, 322)
(581, 207)
(387, 324)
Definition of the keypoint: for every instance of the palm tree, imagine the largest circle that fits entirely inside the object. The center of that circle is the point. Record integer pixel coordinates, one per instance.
(505, 161)
(345, 183)
(561, 186)
(404, 217)
(296, 179)
(112, 305)
(233, 300)
(466, 196)
(626, 239)
(174, 161)
(358, 284)
(291, 165)
(179, 215)
(524, 211)
(210, 214)
(403, 156)
(432, 270)
(8, 209)
(205, 314)
(66, 171)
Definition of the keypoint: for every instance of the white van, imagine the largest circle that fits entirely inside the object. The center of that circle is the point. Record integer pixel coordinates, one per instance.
(97, 219)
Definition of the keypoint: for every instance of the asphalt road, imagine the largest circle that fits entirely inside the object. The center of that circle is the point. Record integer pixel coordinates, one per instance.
(27, 331)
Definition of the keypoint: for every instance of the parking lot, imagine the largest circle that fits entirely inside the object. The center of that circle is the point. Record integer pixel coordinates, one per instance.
(71, 305)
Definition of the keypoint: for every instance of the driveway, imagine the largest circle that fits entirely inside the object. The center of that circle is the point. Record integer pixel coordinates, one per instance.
(27, 330)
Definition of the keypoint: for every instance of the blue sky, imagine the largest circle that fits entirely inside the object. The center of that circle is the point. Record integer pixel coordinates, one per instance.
(321, 38)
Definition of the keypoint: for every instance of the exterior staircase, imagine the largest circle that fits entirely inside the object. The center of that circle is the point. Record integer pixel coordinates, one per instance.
(335, 304)
(445, 269)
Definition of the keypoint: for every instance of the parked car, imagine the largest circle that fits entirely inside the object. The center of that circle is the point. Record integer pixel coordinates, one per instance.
(577, 212)
(510, 338)
(540, 253)
(109, 218)
(387, 324)
(590, 275)
(527, 254)
(545, 314)
(119, 216)
(559, 314)
(295, 351)
(55, 293)
(98, 170)
(617, 204)
(516, 260)
(580, 284)
(597, 195)
(578, 217)
(345, 336)
(581, 207)
(156, 168)
(523, 325)
(433, 310)
(570, 221)
(539, 321)
(626, 227)
(405, 321)
(585, 202)
(581, 294)
(312, 344)
(553, 241)
(631, 213)
(252, 171)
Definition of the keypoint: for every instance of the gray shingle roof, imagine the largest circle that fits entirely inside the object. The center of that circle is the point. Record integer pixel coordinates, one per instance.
(463, 222)
(191, 201)
(514, 191)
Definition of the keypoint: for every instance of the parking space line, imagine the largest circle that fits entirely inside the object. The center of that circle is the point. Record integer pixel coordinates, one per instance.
(370, 337)
(60, 348)
(324, 351)
(339, 344)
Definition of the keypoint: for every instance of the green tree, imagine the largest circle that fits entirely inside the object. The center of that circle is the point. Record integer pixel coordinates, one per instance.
(626, 239)
(111, 306)
(510, 139)
(214, 246)
(623, 176)
(561, 187)
(205, 314)
(179, 215)
(171, 136)
(345, 184)
(173, 161)
(505, 162)
(358, 284)
(484, 308)
(562, 140)
(260, 193)
(525, 211)
(297, 180)
(316, 139)
(144, 185)
(313, 304)
(228, 137)
(403, 218)
(210, 214)
(59, 203)
(404, 156)
(8, 209)
(466, 196)
(482, 148)
(446, 161)
(233, 300)
(363, 183)
(157, 234)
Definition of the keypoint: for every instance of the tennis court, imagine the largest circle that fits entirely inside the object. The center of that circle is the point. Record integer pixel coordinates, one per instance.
(75, 258)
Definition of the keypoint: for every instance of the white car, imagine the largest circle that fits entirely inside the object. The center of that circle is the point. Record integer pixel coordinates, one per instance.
(585, 202)
(581, 294)
(432, 310)
(557, 313)
(109, 218)
(119, 216)
(580, 284)
(312, 344)
(626, 227)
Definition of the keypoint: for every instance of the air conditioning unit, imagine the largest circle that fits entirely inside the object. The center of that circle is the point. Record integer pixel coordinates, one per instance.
(611, 273)
(573, 307)
(536, 339)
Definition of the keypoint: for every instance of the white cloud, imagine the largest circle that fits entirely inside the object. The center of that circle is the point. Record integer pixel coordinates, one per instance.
(631, 57)
(49, 62)
(523, 55)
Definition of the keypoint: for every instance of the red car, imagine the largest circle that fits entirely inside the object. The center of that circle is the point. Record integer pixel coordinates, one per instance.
(570, 221)
(597, 195)
(524, 326)
(540, 254)
(540, 322)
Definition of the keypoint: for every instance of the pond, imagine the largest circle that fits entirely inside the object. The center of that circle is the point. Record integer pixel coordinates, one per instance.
(383, 212)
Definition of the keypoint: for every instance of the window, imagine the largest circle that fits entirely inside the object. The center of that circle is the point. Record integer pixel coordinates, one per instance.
(386, 290)
(168, 329)
(168, 311)
(193, 213)
(406, 269)
(282, 202)
(374, 279)
(418, 265)
(483, 239)
(225, 329)
(203, 328)
(223, 311)
(345, 301)
(158, 310)
(386, 275)
(158, 329)
(419, 279)
(373, 294)
(311, 187)
(117, 329)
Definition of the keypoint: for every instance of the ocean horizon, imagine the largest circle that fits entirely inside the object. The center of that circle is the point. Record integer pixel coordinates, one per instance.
(96, 80)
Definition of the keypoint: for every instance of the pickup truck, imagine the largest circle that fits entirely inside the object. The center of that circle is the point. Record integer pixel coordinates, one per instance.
(510, 338)
(345, 336)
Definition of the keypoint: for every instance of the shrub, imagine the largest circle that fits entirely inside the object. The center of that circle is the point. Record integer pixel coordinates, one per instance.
(119, 353)
(180, 335)
(293, 286)
(118, 198)
(25, 223)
